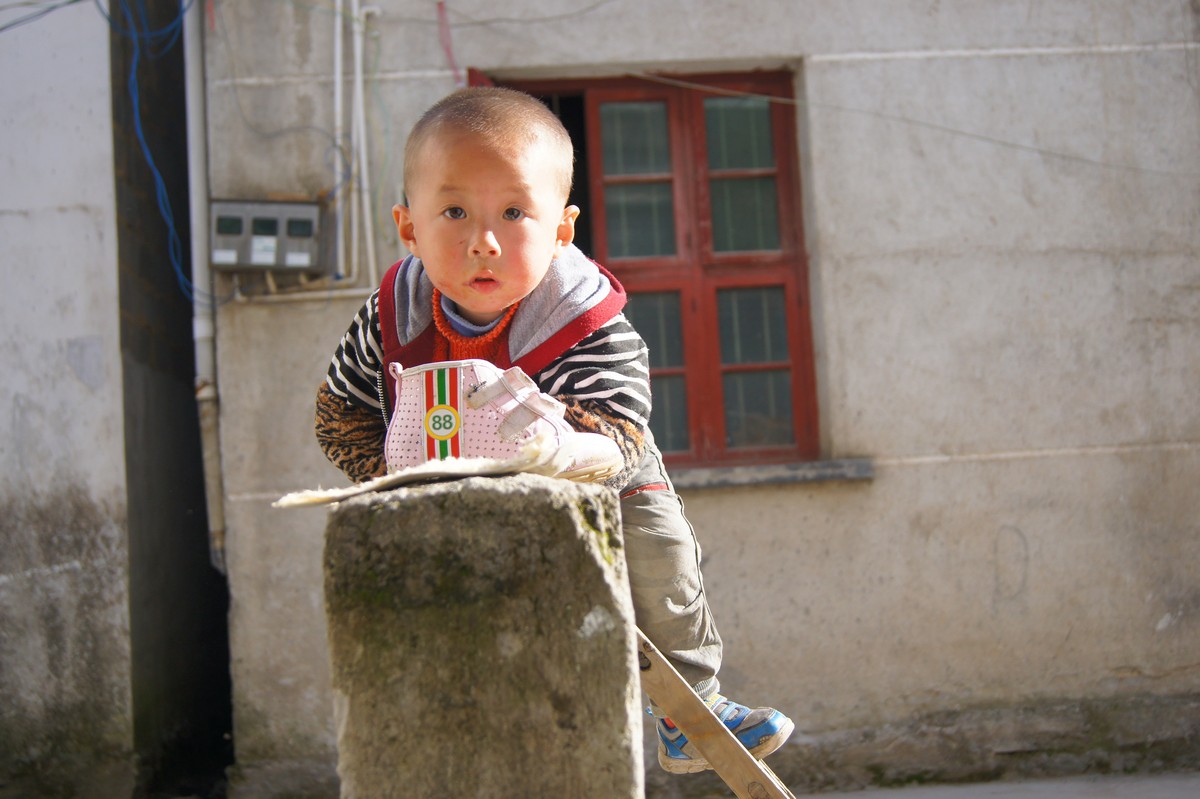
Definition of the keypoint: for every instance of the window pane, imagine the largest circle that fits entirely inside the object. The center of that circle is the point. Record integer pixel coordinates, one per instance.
(641, 220)
(656, 317)
(739, 133)
(634, 138)
(669, 420)
(753, 325)
(745, 216)
(758, 409)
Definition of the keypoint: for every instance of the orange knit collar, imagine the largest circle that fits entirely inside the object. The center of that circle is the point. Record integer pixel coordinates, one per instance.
(485, 346)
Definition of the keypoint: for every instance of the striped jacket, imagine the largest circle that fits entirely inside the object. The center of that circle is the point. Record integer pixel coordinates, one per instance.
(569, 335)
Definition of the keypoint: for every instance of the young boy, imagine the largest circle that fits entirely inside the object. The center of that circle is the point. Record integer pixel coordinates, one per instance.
(493, 276)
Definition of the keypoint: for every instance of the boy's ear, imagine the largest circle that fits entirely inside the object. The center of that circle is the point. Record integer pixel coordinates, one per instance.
(566, 228)
(404, 226)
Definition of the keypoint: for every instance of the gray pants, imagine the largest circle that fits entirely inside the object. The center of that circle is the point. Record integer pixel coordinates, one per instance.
(663, 557)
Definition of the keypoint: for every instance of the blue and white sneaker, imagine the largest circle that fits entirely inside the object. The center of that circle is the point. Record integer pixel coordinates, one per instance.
(761, 730)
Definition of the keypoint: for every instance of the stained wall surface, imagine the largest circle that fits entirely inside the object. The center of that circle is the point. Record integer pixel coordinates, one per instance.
(1001, 208)
(66, 718)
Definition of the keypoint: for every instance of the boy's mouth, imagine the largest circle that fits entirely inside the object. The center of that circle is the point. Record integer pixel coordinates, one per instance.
(484, 283)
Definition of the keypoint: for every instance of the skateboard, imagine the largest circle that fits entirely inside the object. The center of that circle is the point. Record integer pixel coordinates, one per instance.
(748, 777)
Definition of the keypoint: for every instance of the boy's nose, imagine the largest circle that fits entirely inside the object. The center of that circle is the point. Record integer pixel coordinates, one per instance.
(484, 243)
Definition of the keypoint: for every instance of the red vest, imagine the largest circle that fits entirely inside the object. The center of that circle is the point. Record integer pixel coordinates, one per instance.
(547, 323)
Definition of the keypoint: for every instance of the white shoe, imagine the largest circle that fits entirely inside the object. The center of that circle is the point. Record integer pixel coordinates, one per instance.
(471, 410)
(467, 418)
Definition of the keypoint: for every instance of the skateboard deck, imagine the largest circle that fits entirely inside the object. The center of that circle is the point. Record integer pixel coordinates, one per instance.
(748, 777)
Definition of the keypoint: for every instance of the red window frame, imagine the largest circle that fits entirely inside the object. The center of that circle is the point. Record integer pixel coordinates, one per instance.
(696, 271)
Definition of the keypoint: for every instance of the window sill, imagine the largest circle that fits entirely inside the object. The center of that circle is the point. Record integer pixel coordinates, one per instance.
(845, 469)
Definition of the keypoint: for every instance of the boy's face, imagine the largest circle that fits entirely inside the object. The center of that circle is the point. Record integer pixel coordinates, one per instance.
(485, 220)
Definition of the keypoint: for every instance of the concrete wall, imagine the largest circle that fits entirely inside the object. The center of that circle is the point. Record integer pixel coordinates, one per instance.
(66, 714)
(1003, 217)
(113, 656)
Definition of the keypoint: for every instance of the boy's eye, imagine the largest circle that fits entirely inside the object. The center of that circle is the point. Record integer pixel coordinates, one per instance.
(455, 212)
(513, 214)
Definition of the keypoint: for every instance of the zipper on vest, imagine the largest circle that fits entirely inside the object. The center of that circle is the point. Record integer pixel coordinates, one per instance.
(379, 389)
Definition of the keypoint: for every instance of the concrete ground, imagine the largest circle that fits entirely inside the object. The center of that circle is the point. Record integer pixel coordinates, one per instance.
(1157, 786)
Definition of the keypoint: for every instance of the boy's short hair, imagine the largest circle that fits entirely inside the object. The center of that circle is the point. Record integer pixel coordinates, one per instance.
(500, 116)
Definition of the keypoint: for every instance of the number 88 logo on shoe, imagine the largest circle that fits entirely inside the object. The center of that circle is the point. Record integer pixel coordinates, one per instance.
(442, 422)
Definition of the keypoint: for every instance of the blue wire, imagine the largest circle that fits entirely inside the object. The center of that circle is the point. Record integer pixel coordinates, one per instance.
(150, 37)
(171, 31)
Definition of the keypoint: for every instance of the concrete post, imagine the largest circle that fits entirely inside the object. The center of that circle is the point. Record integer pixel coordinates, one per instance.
(482, 642)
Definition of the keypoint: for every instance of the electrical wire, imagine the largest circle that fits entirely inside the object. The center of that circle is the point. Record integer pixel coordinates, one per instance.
(337, 147)
(137, 36)
(384, 119)
(472, 21)
(159, 41)
(345, 161)
(947, 129)
(650, 77)
(154, 43)
(43, 10)
(448, 44)
(337, 157)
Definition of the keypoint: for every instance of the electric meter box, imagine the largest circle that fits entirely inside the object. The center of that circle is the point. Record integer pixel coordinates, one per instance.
(275, 236)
